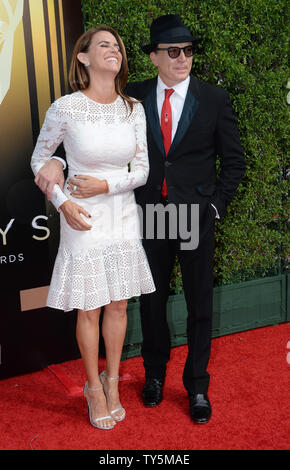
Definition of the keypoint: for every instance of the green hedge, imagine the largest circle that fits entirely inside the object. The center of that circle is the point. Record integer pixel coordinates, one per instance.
(244, 50)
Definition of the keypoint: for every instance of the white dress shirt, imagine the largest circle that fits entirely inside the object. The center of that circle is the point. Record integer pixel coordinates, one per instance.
(176, 101)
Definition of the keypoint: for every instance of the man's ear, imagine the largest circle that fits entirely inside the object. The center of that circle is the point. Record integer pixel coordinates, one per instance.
(154, 59)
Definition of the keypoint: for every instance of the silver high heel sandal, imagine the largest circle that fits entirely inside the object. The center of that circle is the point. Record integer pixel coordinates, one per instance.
(94, 422)
(103, 377)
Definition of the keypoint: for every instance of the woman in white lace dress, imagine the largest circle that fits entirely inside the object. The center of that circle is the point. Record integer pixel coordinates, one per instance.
(101, 261)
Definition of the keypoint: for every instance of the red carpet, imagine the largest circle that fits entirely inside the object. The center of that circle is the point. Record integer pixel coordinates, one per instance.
(249, 392)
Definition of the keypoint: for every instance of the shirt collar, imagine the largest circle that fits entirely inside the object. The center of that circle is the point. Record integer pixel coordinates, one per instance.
(181, 88)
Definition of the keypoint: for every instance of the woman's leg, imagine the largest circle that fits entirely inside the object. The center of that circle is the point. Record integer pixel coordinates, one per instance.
(87, 334)
(114, 331)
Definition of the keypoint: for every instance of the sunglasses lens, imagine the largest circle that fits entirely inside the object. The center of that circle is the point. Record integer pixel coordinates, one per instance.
(173, 52)
(188, 51)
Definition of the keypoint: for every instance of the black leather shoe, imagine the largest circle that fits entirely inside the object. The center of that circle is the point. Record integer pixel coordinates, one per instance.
(199, 408)
(152, 392)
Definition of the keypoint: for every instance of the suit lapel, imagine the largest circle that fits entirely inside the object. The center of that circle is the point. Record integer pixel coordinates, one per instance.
(189, 109)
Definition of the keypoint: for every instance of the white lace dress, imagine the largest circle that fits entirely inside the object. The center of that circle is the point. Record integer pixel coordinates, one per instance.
(108, 262)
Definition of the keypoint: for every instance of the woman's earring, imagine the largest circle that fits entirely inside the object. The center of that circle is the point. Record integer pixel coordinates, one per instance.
(87, 65)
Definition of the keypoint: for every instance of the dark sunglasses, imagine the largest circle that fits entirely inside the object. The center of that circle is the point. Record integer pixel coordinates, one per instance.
(174, 51)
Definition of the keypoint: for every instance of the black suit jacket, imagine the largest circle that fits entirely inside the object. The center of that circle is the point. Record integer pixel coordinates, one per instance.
(207, 128)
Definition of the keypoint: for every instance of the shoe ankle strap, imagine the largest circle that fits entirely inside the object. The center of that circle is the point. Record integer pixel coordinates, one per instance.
(104, 374)
(92, 389)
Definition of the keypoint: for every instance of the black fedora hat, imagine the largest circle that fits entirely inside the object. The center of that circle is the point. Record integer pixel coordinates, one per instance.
(168, 29)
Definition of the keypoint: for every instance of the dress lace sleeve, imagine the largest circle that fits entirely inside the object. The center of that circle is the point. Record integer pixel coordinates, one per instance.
(51, 135)
(139, 166)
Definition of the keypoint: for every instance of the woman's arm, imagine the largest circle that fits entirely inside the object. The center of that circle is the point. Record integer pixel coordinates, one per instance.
(139, 166)
(51, 134)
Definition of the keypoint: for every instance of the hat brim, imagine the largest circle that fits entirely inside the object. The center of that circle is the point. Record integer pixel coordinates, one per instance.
(148, 48)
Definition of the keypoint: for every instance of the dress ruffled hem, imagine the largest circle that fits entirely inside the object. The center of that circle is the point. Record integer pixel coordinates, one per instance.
(97, 276)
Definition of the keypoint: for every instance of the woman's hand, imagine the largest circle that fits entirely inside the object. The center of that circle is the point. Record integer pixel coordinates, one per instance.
(83, 186)
(72, 212)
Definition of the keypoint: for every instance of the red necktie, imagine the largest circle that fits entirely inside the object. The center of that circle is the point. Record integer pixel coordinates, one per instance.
(166, 129)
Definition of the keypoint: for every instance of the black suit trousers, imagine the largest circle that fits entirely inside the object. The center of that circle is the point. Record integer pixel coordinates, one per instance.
(197, 277)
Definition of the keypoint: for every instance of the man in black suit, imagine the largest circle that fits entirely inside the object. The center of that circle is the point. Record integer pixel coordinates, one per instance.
(187, 127)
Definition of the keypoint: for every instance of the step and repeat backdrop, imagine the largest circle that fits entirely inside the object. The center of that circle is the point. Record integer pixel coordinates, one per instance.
(36, 42)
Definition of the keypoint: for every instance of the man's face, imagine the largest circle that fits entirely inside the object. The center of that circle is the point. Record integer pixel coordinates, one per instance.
(172, 71)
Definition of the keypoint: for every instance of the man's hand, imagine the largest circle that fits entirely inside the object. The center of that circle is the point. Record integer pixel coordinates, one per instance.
(50, 174)
(72, 212)
(83, 186)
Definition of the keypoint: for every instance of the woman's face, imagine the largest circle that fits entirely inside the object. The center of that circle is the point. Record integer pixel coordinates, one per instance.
(104, 54)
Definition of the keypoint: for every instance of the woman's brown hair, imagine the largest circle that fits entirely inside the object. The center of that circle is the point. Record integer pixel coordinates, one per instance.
(79, 76)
